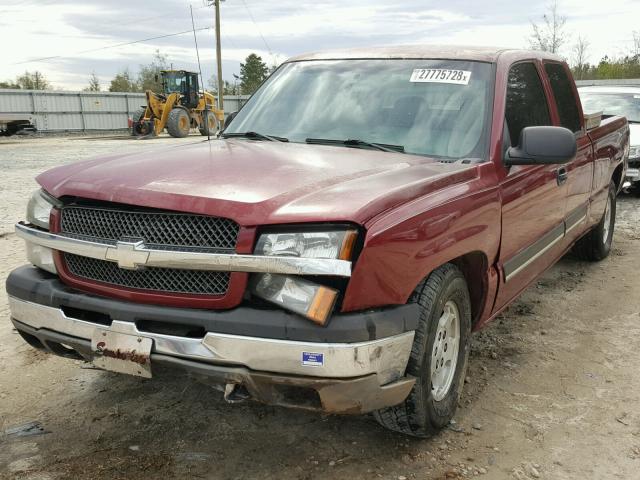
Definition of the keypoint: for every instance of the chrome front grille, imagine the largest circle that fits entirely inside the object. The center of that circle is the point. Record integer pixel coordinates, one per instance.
(170, 280)
(156, 229)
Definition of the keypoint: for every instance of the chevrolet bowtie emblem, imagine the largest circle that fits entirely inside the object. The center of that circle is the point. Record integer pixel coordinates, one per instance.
(128, 255)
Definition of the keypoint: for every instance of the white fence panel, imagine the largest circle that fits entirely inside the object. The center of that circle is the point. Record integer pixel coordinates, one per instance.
(82, 111)
(57, 121)
(16, 101)
(106, 121)
(98, 103)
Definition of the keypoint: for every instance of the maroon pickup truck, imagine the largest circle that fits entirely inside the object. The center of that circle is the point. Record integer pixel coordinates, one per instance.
(335, 247)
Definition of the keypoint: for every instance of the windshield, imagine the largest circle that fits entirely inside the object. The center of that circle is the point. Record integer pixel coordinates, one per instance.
(624, 104)
(430, 107)
(174, 82)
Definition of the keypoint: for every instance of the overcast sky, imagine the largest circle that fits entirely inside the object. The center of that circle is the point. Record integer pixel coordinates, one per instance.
(63, 29)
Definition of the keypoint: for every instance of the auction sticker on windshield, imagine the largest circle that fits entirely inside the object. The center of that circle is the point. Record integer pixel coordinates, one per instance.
(441, 75)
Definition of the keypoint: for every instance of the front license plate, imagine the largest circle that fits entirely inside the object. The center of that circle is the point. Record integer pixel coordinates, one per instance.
(122, 353)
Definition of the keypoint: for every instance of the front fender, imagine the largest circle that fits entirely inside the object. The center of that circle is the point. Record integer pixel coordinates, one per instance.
(404, 245)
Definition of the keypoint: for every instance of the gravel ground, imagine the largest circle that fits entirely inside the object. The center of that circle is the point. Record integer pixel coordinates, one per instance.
(552, 391)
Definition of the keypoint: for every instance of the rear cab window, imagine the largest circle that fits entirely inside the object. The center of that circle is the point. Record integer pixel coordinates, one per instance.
(564, 95)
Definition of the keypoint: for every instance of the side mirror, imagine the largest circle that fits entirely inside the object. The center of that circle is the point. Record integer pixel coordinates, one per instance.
(229, 119)
(542, 146)
(155, 78)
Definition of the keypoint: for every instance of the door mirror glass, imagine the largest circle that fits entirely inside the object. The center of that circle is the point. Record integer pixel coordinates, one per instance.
(543, 145)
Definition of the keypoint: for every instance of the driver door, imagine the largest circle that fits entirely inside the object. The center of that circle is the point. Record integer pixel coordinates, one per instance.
(533, 197)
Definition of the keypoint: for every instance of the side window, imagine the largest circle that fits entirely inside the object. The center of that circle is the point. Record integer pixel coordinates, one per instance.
(526, 101)
(563, 93)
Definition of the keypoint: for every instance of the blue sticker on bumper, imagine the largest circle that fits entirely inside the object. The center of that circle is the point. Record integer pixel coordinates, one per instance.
(312, 359)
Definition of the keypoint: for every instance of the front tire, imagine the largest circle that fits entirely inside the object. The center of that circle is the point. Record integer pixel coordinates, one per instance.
(596, 245)
(209, 123)
(438, 357)
(178, 123)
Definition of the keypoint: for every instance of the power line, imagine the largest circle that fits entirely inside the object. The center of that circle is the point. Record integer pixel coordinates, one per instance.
(44, 59)
(145, 19)
(29, 3)
(257, 27)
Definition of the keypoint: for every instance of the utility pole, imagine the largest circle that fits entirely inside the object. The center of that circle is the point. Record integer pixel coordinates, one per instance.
(219, 58)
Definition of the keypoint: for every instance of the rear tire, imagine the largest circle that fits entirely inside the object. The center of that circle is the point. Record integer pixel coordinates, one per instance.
(137, 115)
(434, 399)
(139, 129)
(209, 123)
(178, 123)
(596, 245)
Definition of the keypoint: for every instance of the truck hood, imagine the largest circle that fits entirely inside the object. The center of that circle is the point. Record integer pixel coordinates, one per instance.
(258, 183)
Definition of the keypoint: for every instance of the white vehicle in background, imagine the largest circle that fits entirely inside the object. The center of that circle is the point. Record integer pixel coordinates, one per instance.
(624, 101)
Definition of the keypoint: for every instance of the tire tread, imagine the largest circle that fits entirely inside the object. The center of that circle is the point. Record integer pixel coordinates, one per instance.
(590, 248)
(173, 125)
(410, 417)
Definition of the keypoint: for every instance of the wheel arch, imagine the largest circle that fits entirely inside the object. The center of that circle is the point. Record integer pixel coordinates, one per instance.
(617, 177)
(475, 269)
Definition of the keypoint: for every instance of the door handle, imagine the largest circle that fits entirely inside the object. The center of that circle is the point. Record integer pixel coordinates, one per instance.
(562, 175)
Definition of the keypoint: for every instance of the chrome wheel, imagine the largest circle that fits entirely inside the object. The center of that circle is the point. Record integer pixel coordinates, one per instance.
(607, 220)
(444, 357)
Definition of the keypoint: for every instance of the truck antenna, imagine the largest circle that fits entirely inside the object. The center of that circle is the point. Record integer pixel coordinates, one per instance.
(206, 106)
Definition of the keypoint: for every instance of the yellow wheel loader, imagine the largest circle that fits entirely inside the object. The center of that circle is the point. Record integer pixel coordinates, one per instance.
(179, 108)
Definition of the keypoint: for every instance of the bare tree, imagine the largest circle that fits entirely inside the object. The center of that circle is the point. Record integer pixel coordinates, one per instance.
(579, 59)
(635, 48)
(94, 83)
(149, 73)
(124, 82)
(550, 35)
(33, 81)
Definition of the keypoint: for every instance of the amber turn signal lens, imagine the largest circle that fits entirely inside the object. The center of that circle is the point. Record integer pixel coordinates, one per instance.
(348, 245)
(322, 305)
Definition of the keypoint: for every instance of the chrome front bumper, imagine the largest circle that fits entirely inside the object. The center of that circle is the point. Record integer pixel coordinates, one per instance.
(385, 358)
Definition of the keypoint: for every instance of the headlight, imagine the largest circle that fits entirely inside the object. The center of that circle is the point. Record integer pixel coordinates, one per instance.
(335, 244)
(634, 152)
(39, 208)
(298, 295)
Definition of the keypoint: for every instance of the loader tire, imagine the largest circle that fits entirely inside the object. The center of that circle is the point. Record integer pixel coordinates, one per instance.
(209, 123)
(138, 129)
(178, 123)
(137, 115)
(438, 358)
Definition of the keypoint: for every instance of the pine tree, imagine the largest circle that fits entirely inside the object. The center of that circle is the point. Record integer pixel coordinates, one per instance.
(252, 73)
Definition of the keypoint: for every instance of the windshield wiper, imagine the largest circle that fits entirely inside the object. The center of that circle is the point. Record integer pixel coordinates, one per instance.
(352, 142)
(255, 136)
(633, 121)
